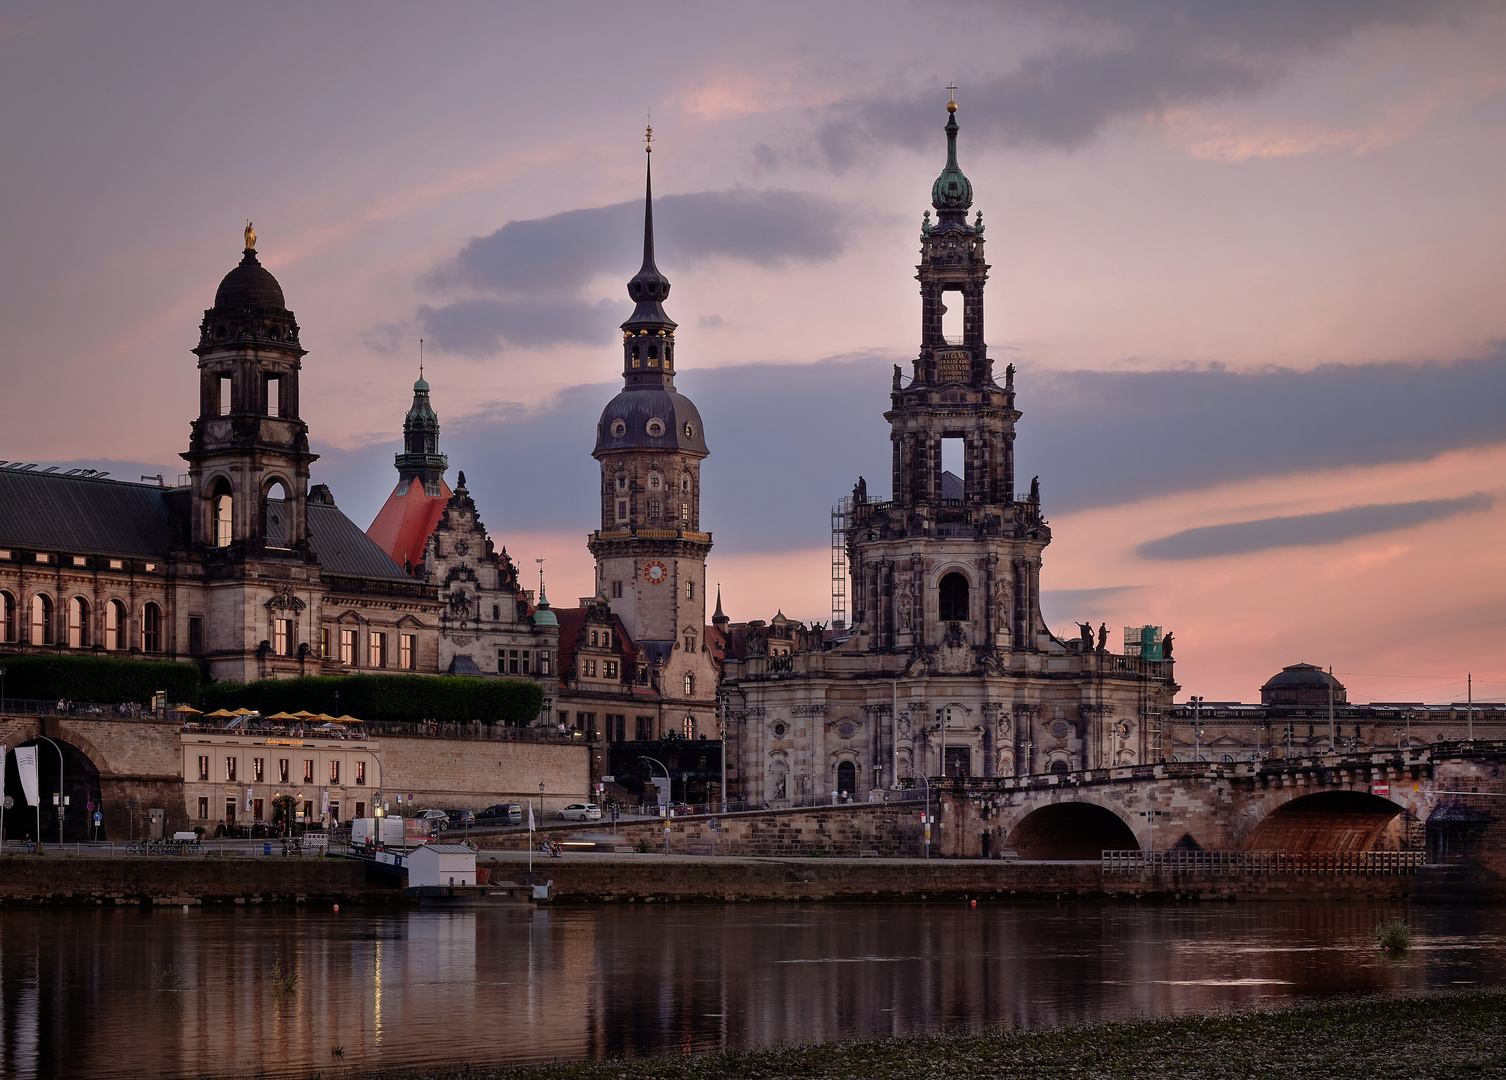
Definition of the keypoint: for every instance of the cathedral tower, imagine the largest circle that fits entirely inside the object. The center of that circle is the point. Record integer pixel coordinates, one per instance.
(421, 459)
(950, 556)
(249, 444)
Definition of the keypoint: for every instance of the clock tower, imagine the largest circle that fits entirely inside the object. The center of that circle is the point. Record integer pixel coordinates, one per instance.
(650, 550)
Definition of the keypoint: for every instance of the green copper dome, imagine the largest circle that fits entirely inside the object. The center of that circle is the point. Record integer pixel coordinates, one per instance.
(952, 190)
(542, 616)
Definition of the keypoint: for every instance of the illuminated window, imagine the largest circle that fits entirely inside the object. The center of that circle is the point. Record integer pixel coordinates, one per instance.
(347, 647)
(407, 647)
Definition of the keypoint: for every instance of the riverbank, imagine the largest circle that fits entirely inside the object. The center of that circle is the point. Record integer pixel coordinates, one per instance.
(1448, 1034)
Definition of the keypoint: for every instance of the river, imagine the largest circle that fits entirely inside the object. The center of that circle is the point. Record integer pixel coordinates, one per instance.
(169, 992)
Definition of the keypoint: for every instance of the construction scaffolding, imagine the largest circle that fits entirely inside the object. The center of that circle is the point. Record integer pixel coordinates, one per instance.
(840, 514)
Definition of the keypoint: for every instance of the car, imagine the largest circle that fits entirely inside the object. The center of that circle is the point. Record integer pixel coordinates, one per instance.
(580, 811)
(461, 819)
(438, 819)
(502, 813)
(680, 809)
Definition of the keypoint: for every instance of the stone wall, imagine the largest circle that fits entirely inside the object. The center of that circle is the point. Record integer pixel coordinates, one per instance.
(171, 880)
(459, 773)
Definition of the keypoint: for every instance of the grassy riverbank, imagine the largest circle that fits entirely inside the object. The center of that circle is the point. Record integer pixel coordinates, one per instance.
(1451, 1034)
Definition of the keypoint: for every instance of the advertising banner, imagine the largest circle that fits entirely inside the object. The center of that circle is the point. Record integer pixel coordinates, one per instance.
(26, 765)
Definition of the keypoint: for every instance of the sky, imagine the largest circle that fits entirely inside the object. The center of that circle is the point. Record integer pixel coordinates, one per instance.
(1249, 260)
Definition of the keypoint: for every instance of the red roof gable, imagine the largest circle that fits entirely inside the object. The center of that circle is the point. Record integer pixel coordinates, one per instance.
(403, 525)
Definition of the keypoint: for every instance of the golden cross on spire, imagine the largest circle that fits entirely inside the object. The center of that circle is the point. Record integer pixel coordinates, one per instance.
(952, 92)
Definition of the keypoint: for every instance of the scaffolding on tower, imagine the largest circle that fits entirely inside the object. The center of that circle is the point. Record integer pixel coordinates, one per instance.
(840, 514)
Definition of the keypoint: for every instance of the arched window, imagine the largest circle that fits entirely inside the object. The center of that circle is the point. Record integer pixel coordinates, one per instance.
(221, 515)
(115, 626)
(78, 623)
(953, 598)
(41, 619)
(151, 628)
(688, 727)
(847, 777)
(689, 684)
(275, 526)
(7, 617)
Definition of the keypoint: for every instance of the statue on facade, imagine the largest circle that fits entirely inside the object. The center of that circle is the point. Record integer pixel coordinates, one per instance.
(1009, 377)
(896, 376)
(860, 492)
(905, 611)
(1103, 637)
(1166, 646)
(1085, 631)
(250, 237)
(1035, 489)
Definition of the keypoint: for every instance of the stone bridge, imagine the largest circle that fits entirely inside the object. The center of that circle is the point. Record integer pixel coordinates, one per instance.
(1444, 797)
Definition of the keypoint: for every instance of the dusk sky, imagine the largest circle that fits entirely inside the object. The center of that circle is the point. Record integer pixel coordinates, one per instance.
(1249, 259)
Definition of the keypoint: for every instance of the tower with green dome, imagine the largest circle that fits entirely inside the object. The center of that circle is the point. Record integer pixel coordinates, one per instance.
(421, 459)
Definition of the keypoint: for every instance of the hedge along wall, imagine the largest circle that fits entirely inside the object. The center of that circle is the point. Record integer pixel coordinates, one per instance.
(102, 679)
(444, 698)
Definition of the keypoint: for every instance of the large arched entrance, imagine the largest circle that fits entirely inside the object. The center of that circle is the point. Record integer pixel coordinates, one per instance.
(1332, 821)
(1071, 831)
(81, 779)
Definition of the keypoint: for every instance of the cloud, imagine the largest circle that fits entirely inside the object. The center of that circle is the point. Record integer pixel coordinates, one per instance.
(1060, 605)
(518, 275)
(1114, 60)
(807, 431)
(1101, 438)
(1306, 530)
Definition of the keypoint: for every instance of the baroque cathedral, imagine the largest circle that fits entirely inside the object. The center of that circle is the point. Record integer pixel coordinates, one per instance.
(948, 668)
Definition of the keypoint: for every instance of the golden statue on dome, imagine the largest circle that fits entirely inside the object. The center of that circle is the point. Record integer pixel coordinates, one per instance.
(250, 237)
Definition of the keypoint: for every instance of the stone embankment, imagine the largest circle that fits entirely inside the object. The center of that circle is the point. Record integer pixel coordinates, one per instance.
(591, 878)
(29, 881)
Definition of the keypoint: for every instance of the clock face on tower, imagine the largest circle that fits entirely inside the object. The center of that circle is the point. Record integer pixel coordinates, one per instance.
(655, 572)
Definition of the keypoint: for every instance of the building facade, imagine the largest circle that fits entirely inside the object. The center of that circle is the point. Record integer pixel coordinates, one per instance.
(948, 667)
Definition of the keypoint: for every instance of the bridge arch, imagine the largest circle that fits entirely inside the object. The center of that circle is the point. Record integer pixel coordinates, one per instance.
(1332, 821)
(1071, 830)
(81, 785)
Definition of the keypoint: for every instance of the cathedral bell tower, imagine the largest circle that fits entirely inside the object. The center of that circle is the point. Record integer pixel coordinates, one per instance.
(650, 551)
(248, 443)
(951, 562)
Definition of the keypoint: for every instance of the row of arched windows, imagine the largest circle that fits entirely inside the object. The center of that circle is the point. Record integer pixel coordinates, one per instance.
(76, 628)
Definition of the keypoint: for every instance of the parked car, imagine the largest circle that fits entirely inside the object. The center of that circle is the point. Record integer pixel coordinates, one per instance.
(460, 819)
(501, 814)
(680, 809)
(438, 820)
(580, 811)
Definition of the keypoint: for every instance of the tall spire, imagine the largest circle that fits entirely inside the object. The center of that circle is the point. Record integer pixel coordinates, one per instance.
(421, 458)
(649, 288)
(952, 193)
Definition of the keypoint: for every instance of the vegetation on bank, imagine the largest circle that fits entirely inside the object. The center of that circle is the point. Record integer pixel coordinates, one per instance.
(1447, 1034)
(99, 679)
(445, 698)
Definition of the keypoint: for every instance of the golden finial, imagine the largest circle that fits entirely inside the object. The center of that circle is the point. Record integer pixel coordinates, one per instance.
(951, 105)
(648, 139)
(250, 236)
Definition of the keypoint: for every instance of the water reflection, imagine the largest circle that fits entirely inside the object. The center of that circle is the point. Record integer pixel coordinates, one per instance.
(184, 993)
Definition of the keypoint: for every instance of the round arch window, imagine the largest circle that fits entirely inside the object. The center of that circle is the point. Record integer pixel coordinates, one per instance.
(952, 598)
(655, 427)
(619, 429)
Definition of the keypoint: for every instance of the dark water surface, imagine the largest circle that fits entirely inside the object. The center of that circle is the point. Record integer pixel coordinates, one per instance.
(82, 994)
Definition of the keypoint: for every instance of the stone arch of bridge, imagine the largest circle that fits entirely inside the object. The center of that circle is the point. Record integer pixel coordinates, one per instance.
(1082, 828)
(81, 784)
(1336, 820)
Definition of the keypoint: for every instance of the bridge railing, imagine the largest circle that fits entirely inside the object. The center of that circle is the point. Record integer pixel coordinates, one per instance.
(1376, 863)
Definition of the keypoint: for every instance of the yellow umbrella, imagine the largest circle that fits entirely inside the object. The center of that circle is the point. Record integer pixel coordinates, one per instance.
(282, 716)
(325, 718)
(303, 714)
(188, 709)
(347, 719)
(246, 712)
(222, 714)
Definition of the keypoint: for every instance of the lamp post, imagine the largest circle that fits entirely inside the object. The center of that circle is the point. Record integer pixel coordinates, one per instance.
(1197, 729)
(62, 790)
(2, 691)
(927, 831)
(377, 804)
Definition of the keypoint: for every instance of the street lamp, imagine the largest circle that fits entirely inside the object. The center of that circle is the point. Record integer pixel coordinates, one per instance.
(62, 791)
(1197, 728)
(927, 822)
(2, 690)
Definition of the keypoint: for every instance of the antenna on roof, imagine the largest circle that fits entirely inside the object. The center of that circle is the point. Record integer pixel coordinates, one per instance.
(420, 358)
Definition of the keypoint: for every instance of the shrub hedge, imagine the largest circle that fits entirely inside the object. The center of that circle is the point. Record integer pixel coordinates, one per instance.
(103, 679)
(443, 698)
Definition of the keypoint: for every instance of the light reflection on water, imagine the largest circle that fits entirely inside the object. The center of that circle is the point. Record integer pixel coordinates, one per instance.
(78, 993)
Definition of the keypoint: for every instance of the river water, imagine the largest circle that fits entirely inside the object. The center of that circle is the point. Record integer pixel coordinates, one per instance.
(168, 992)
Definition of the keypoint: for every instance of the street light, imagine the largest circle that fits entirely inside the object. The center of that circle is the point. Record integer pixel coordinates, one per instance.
(927, 822)
(62, 790)
(1197, 728)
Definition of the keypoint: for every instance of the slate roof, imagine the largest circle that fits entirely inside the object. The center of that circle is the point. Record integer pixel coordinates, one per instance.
(342, 548)
(82, 514)
(90, 516)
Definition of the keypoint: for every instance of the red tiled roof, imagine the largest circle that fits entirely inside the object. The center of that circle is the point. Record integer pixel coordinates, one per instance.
(571, 621)
(403, 525)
